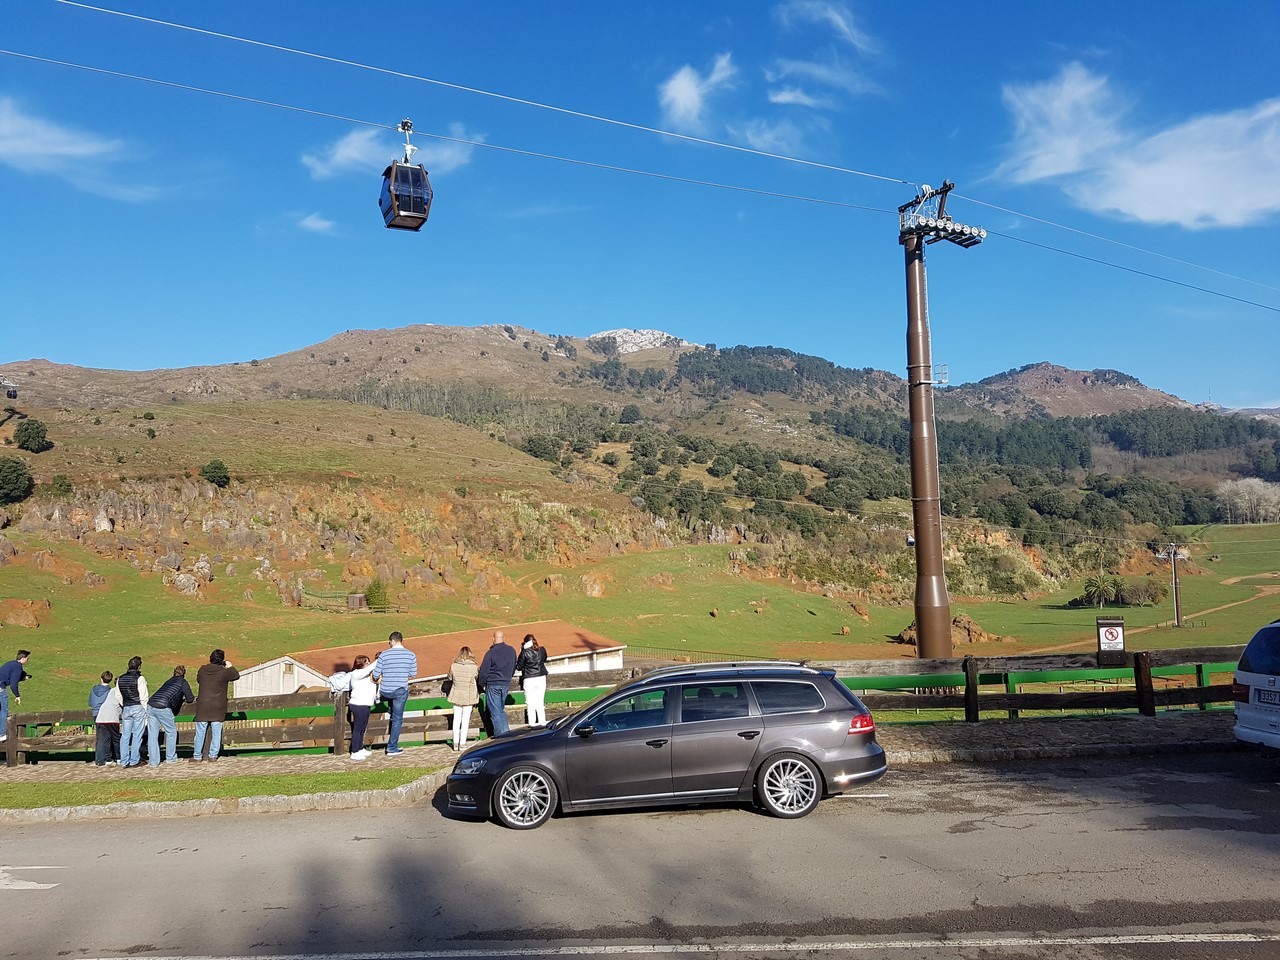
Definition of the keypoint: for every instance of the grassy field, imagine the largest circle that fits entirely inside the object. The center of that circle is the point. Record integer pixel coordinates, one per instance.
(661, 599)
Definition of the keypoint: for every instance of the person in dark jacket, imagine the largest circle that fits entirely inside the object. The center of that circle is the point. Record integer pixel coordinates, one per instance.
(161, 710)
(133, 712)
(211, 704)
(532, 664)
(496, 670)
(11, 674)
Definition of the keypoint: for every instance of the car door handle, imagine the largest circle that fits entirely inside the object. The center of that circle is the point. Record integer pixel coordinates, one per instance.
(749, 734)
(655, 743)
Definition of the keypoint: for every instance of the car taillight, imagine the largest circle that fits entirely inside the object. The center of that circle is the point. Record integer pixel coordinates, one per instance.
(862, 723)
(1240, 691)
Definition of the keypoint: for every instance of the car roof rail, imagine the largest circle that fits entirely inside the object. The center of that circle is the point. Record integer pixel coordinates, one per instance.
(695, 668)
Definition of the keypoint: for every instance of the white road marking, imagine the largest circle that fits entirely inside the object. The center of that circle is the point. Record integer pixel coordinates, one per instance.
(10, 882)
(790, 946)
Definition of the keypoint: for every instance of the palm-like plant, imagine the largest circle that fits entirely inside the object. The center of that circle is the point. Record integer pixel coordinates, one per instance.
(1102, 588)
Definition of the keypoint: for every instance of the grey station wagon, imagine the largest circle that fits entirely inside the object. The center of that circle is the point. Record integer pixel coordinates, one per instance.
(778, 734)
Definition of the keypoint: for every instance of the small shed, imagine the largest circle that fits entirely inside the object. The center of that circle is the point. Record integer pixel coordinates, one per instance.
(281, 675)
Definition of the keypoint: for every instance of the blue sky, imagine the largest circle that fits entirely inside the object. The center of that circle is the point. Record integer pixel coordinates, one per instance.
(148, 225)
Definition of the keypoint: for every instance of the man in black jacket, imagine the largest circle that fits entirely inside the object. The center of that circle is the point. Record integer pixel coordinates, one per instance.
(161, 708)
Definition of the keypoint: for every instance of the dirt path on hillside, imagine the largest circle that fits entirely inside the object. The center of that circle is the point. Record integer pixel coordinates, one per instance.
(1264, 590)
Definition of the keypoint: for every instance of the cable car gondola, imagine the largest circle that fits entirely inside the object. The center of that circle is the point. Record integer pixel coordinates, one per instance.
(10, 388)
(406, 191)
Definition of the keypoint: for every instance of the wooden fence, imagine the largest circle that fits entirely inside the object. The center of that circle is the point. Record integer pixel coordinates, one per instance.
(316, 722)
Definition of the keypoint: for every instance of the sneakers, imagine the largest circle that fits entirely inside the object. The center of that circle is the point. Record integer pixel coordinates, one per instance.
(361, 755)
(394, 753)
(196, 760)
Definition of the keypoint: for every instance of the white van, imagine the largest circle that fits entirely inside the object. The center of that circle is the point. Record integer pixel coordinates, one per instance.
(1257, 689)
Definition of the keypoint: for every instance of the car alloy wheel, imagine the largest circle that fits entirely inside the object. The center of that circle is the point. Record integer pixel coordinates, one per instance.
(525, 797)
(789, 786)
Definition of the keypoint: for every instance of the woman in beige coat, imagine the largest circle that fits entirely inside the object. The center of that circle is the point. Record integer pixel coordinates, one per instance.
(463, 693)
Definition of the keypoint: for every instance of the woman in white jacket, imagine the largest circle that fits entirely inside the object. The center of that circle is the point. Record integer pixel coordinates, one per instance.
(364, 691)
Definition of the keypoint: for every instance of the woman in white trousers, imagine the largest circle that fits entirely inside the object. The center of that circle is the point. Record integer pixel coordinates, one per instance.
(532, 664)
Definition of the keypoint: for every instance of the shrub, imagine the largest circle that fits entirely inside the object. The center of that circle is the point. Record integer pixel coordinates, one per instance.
(376, 593)
(215, 471)
(31, 435)
(61, 485)
(15, 480)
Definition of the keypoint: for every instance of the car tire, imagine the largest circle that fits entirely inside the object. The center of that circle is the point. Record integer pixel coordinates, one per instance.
(524, 798)
(788, 785)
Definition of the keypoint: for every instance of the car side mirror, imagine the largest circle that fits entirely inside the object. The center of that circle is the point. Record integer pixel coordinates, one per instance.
(585, 730)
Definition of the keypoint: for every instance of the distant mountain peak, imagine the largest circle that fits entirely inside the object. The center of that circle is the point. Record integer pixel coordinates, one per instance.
(633, 341)
(1047, 388)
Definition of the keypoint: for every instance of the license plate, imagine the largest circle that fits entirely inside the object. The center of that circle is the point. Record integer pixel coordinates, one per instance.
(1269, 696)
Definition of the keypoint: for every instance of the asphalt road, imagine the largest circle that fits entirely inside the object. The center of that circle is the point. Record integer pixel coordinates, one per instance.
(1167, 857)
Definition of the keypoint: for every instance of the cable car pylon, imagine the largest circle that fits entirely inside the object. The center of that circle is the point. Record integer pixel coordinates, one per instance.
(406, 192)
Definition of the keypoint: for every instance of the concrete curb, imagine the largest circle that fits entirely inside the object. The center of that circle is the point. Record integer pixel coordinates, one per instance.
(911, 757)
(420, 789)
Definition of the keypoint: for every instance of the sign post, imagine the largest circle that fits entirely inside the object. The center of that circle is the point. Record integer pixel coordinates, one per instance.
(1111, 642)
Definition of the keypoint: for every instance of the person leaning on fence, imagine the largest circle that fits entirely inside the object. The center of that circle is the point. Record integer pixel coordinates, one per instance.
(364, 691)
(532, 664)
(133, 712)
(11, 674)
(462, 693)
(211, 703)
(496, 670)
(104, 705)
(162, 710)
(394, 668)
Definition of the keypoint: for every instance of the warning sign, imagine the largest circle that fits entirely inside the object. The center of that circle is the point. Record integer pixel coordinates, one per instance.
(1111, 641)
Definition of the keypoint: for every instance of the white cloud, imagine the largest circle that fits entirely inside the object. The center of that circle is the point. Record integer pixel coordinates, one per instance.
(316, 223)
(683, 96)
(445, 156)
(29, 143)
(1216, 170)
(364, 149)
(832, 74)
(835, 16)
(794, 96)
(771, 136)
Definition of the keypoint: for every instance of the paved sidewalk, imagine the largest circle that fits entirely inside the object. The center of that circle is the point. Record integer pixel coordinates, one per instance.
(905, 744)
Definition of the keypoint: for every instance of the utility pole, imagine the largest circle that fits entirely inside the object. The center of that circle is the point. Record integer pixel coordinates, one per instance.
(1170, 553)
(924, 220)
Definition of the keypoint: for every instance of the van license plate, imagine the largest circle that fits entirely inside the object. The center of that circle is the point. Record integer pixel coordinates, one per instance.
(1269, 696)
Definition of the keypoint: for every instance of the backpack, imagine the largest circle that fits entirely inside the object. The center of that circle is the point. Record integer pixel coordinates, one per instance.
(339, 683)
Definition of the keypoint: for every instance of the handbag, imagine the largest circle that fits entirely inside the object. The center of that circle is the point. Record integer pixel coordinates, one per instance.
(446, 686)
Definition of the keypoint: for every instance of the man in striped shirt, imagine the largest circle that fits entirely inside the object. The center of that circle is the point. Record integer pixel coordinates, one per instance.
(395, 667)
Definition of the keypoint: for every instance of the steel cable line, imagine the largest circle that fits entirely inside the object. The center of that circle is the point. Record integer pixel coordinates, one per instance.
(1118, 243)
(1135, 270)
(655, 130)
(489, 93)
(448, 139)
(618, 169)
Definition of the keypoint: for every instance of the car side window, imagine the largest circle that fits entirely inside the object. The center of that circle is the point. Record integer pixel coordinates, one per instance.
(645, 709)
(787, 696)
(713, 701)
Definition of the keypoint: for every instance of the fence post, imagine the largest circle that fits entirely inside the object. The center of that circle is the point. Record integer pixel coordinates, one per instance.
(970, 690)
(1202, 680)
(1142, 682)
(11, 744)
(340, 725)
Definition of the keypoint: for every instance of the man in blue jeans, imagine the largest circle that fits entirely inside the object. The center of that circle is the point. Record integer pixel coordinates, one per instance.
(394, 668)
(11, 674)
(496, 670)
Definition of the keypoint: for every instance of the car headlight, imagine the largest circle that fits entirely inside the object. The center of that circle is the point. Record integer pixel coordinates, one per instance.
(469, 765)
